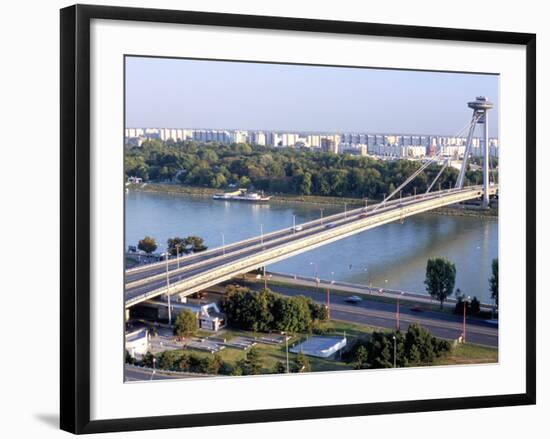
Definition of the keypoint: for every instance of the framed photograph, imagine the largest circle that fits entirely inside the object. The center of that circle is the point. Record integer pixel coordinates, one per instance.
(272, 218)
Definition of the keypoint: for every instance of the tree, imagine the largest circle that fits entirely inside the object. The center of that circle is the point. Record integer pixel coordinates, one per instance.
(129, 359)
(440, 278)
(361, 358)
(148, 359)
(186, 324)
(302, 363)
(147, 244)
(493, 281)
(176, 246)
(252, 364)
(279, 367)
(194, 244)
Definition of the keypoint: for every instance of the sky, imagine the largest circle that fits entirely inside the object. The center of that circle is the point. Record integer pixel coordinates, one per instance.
(181, 93)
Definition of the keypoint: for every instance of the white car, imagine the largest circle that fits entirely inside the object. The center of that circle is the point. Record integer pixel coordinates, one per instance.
(298, 228)
(353, 299)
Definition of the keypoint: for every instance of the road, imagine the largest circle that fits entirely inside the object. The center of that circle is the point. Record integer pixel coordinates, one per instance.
(383, 315)
(134, 373)
(146, 279)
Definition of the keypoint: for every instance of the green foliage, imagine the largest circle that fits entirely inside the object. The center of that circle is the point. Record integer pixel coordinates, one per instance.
(279, 367)
(301, 363)
(190, 244)
(440, 278)
(279, 170)
(252, 364)
(473, 307)
(186, 324)
(361, 358)
(493, 281)
(128, 358)
(266, 311)
(416, 347)
(148, 359)
(147, 244)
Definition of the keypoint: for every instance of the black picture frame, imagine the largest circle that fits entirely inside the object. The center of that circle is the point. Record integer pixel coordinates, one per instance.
(75, 217)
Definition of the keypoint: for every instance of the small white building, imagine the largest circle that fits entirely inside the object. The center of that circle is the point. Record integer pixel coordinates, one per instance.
(137, 342)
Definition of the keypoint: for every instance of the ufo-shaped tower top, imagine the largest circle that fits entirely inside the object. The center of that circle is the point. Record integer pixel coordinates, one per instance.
(481, 103)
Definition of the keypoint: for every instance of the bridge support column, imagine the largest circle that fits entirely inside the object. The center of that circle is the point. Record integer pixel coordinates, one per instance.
(486, 158)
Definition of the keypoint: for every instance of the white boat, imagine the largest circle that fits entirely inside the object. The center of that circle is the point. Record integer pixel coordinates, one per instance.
(241, 195)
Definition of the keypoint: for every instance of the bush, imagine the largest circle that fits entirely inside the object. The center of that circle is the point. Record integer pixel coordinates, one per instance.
(414, 348)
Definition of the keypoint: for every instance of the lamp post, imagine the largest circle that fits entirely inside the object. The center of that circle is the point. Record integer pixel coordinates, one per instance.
(345, 210)
(287, 362)
(321, 209)
(394, 352)
(464, 306)
(153, 373)
(397, 311)
(316, 273)
(223, 244)
(168, 291)
(293, 223)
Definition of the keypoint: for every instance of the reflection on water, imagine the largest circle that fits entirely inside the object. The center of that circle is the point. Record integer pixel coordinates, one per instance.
(393, 255)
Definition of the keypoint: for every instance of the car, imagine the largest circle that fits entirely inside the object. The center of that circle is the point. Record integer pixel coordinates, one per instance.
(330, 226)
(416, 308)
(298, 228)
(353, 299)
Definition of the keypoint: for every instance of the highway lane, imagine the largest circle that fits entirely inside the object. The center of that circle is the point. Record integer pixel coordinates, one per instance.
(382, 314)
(151, 283)
(158, 268)
(134, 373)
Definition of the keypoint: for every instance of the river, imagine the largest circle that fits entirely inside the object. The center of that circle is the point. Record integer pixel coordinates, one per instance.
(393, 255)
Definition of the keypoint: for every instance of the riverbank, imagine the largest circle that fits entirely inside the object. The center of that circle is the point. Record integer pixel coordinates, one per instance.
(307, 199)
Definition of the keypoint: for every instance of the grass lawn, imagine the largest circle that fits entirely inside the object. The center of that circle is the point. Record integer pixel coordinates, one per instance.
(469, 354)
(271, 354)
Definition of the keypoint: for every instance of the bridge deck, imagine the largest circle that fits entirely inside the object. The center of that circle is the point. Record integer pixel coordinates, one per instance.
(202, 270)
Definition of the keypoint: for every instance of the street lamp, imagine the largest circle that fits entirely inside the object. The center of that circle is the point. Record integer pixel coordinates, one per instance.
(168, 291)
(153, 373)
(223, 244)
(293, 223)
(394, 352)
(345, 210)
(321, 209)
(464, 306)
(287, 362)
(397, 311)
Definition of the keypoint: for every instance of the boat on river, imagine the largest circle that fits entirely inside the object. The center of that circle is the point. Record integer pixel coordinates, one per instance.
(242, 195)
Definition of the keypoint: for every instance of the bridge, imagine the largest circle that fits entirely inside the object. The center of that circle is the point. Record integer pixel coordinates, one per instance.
(192, 273)
(196, 272)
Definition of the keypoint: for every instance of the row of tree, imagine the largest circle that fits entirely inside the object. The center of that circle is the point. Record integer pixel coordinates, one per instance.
(279, 170)
(266, 311)
(416, 347)
(176, 245)
(440, 282)
(251, 364)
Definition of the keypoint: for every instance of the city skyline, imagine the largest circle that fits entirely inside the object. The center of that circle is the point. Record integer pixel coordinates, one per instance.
(158, 91)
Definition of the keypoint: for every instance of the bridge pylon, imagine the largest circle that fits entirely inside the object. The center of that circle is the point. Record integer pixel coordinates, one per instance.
(480, 107)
